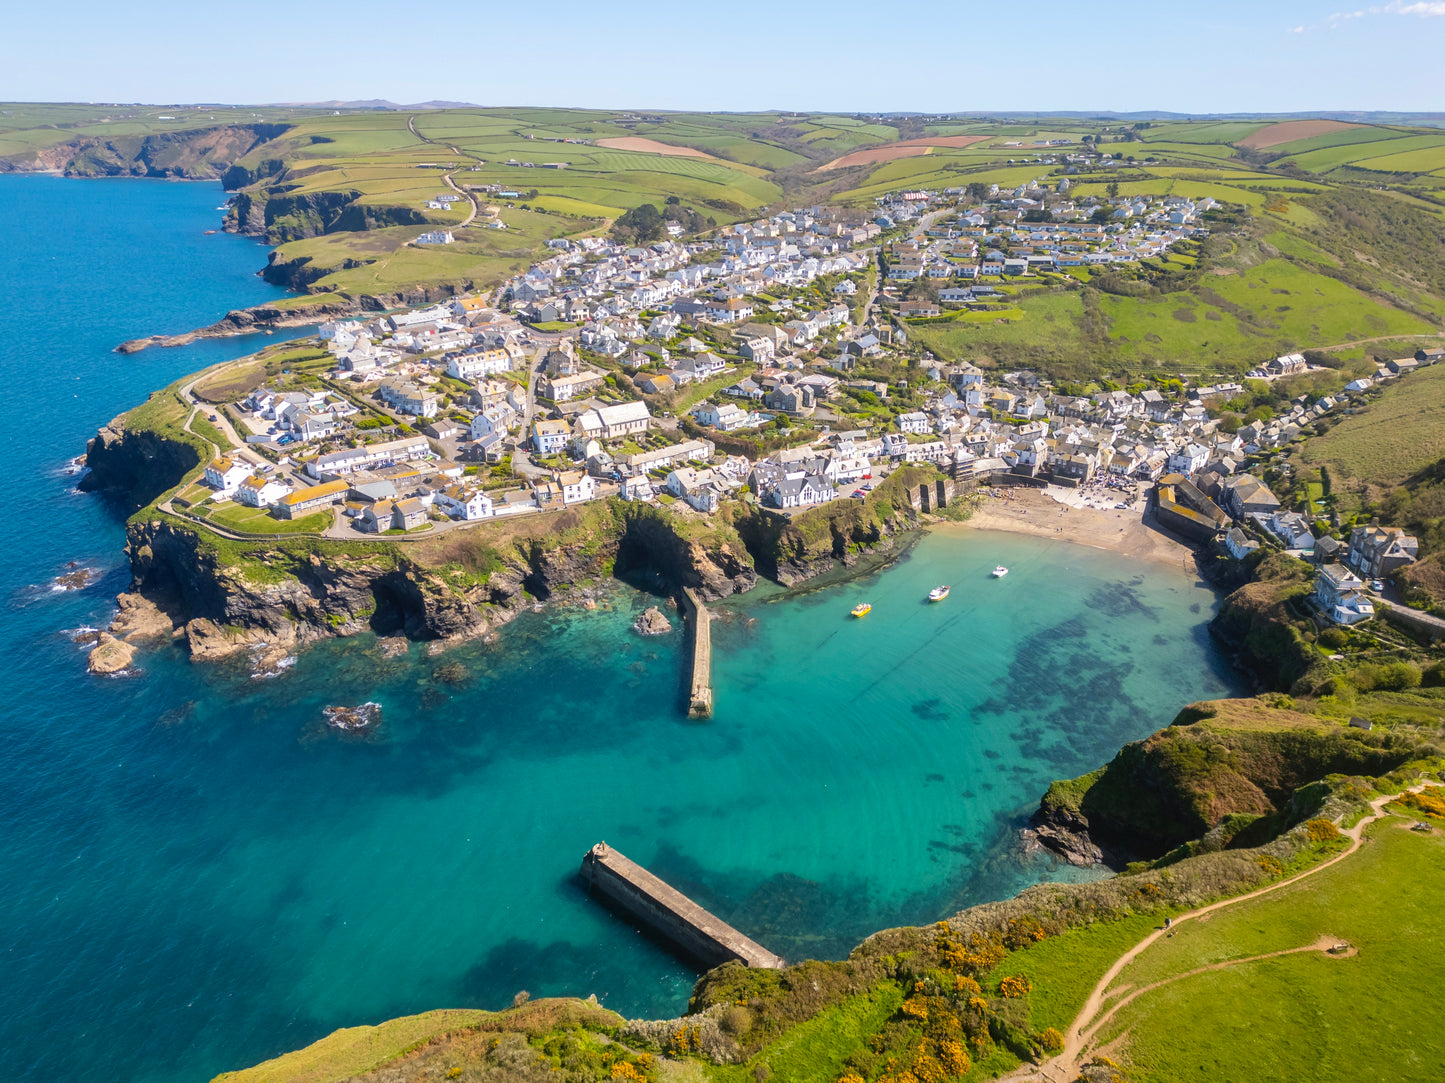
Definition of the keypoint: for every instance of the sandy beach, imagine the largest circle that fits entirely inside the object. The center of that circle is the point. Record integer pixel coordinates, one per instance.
(1046, 514)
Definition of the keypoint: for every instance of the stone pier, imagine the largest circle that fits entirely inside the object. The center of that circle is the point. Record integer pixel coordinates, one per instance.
(697, 618)
(670, 913)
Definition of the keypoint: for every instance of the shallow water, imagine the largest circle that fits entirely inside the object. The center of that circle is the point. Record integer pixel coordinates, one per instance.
(200, 873)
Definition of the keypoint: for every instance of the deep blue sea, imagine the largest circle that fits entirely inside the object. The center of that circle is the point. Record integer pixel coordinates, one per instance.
(196, 873)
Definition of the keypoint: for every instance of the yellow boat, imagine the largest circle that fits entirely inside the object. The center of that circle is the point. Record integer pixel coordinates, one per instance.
(862, 609)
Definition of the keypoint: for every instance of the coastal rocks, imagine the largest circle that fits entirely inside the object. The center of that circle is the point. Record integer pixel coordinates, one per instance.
(75, 577)
(269, 661)
(652, 623)
(139, 618)
(110, 656)
(1067, 838)
(393, 646)
(352, 719)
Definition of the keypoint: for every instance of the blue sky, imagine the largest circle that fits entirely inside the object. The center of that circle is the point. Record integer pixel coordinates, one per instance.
(927, 56)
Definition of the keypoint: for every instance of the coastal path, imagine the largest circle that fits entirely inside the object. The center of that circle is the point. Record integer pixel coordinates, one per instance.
(1082, 1032)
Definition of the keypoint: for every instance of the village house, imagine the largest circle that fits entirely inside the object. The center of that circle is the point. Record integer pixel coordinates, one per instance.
(699, 488)
(1377, 551)
(614, 422)
(301, 501)
(463, 502)
(1341, 595)
(801, 492)
(408, 514)
(260, 492)
(549, 437)
(725, 417)
(576, 486)
(225, 474)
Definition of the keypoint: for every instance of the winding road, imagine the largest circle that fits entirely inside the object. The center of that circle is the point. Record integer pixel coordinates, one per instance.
(471, 199)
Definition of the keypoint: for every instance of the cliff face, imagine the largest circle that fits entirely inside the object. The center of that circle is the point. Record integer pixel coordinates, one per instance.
(286, 594)
(136, 465)
(198, 154)
(1256, 624)
(1234, 771)
(279, 213)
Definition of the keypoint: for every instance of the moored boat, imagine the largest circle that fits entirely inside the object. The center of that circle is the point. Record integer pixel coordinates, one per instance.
(937, 594)
(1000, 572)
(862, 609)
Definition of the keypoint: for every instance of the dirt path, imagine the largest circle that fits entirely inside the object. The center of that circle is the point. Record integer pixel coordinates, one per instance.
(1085, 1027)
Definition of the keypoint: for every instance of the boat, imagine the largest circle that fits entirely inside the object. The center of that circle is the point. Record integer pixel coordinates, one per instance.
(862, 609)
(1000, 572)
(937, 594)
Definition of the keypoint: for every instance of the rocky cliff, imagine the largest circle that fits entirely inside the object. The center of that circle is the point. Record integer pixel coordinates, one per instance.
(197, 154)
(1224, 774)
(136, 465)
(227, 596)
(279, 213)
(1260, 623)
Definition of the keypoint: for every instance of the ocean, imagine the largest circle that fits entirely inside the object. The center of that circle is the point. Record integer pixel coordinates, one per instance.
(199, 873)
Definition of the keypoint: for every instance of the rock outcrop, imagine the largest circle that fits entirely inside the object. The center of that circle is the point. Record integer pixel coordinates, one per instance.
(110, 656)
(652, 623)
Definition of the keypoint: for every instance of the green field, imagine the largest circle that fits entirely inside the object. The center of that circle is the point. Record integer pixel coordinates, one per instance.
(1374, 1016)
(1392, 439)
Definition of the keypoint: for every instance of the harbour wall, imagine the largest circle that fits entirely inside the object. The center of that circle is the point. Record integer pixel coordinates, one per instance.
(699, 695)
(669, 913)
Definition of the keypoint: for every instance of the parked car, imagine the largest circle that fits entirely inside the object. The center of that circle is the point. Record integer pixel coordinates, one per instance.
(1377, 585)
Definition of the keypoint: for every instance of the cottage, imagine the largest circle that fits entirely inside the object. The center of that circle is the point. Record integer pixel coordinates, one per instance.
(549, 437)
(408, 514)
(801, 492)
(725, 417)
(260, 492)
(463, 502)
(225, 474)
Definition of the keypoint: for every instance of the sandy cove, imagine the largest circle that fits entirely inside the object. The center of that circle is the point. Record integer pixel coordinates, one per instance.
(1043, 514)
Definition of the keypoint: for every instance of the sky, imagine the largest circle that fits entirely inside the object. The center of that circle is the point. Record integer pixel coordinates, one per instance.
(925, 56)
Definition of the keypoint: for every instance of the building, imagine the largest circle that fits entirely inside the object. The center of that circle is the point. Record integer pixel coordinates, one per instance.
(577, 486)
(408, 514)
(349, 460)
(301, 501)
(224, 474)
(1246, 495)
(614, 422)
(1376, 551)
(463, 502)
(572, 386)
(725, 417)
(476, 364)
(549, 437)
(260, 492)
(801, 492)
(1341, 595)
(915, 422)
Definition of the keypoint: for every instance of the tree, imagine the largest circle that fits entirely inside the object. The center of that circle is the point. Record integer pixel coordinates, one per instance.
(641, 225)
(921, 288)
(672, 201)
(1113, 189)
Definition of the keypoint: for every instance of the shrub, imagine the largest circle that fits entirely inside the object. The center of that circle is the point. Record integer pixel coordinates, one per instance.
(1321, 831)
(1015, 986)
(1051, 1040)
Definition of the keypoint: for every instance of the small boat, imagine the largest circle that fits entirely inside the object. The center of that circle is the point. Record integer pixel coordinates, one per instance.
(862, 609)
(1000, 572)
(937, 594)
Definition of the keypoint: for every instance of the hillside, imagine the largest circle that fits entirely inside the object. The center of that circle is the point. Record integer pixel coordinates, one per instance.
(1327, 236)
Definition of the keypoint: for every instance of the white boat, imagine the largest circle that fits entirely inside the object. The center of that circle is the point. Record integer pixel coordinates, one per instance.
(937, 594)
(1000, 572)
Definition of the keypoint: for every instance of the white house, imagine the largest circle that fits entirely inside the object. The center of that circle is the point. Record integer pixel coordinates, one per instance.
(260, 492)
(614, 422)
(549, 437)
(463, 502)
(1189, 459)
(725, 417)
(637, 487)
(478, 363)
(577, 486)
(916, 421)
(698, 487)
(1341, 595)
(224, 474)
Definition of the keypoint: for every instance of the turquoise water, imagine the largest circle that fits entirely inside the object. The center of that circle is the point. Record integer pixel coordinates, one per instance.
(199, 874)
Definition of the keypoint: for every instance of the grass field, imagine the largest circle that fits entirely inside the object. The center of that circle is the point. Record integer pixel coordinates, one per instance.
(1374, 1016)
(240, 518)
(1393, 438)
